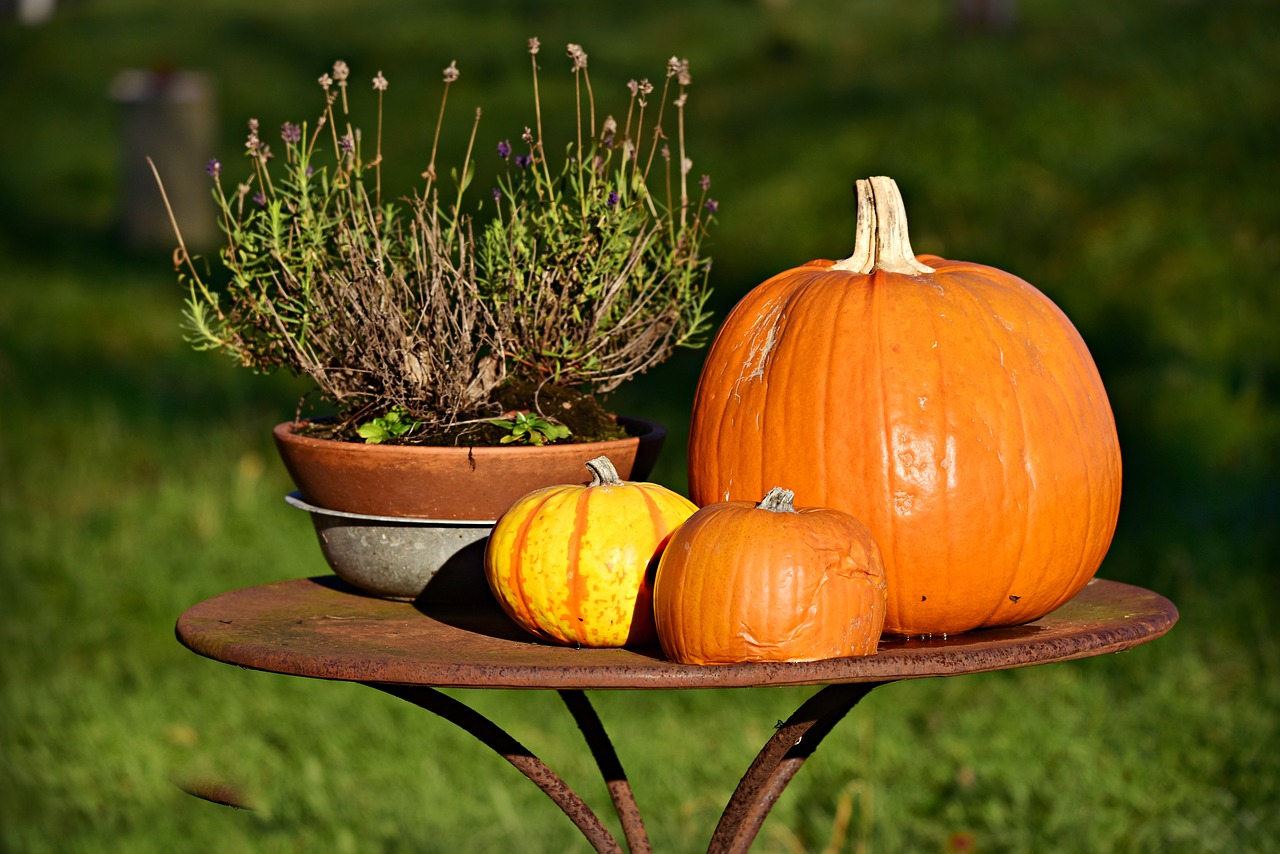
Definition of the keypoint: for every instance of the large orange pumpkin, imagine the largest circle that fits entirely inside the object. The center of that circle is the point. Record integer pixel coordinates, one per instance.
(571, 564)
(950, 406)
(740, 581)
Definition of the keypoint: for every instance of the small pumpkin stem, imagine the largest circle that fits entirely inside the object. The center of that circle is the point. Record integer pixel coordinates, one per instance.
(778, 500)
(603, 473)
(882, 241)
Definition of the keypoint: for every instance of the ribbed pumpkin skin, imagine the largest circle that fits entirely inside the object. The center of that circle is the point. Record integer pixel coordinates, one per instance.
(958, 414)
(569, 563)
(737, 583)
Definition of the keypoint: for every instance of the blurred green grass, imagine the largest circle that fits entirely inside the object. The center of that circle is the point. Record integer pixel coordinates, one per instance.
(1121, 159)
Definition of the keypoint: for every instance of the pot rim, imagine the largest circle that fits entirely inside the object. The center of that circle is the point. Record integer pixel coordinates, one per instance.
(294, 499)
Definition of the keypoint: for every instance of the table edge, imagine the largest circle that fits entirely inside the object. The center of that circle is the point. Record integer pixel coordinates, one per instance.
(967, 656)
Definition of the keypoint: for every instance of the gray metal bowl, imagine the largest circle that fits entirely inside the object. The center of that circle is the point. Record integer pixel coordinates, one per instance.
(402, 558)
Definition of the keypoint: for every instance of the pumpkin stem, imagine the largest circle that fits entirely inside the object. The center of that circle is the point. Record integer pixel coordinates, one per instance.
(603, 473)
(778, 500)
(881, 241)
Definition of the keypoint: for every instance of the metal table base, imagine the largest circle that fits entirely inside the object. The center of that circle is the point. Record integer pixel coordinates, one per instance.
(320, 628)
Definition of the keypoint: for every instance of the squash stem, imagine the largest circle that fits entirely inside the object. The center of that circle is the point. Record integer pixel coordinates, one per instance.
(882, 241)
(603, 473)
(778, 500)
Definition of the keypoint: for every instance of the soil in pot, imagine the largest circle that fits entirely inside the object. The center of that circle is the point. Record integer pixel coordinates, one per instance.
(582, 413)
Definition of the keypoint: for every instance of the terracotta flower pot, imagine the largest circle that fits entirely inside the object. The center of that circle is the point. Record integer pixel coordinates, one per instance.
(477, 483)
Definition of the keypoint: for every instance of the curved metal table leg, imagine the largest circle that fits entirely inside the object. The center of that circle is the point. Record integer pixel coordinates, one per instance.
(514, 752)
(773, 768)
(611, 767)
(778, 762)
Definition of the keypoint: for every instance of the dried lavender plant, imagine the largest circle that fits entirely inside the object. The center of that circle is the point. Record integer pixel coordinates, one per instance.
(579, 278)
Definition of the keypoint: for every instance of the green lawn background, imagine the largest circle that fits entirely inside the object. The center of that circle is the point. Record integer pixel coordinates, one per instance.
(1123, 160)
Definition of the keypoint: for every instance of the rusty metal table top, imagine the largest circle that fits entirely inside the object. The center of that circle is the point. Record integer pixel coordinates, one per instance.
(320, 628)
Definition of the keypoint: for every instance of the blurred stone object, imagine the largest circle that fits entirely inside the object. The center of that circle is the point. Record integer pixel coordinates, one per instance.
(985, 15)
(30, 13)
(169, 116)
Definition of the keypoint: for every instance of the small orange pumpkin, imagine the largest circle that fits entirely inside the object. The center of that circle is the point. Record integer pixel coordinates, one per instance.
(949, 405)
(766, 582)
(570, 564)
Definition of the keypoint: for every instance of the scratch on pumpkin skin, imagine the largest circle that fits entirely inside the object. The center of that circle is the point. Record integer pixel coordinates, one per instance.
(766, 326)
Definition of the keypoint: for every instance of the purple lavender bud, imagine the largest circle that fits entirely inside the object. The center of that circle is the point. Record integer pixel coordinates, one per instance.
(260, 198)
(524, 161)
(346, 144)
(504, 149)
(613, 198)
(290, 132)
(705, 183)
(213, 167)
(712, 205)
(608, 140)
(497, 194)
(310, 170)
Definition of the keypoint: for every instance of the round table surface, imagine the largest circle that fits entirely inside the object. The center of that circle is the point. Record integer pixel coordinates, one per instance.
(322, 628)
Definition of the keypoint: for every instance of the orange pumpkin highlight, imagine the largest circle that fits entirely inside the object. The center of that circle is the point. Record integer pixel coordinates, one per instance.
(950, 406)
(570, 564)
(745, 582)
